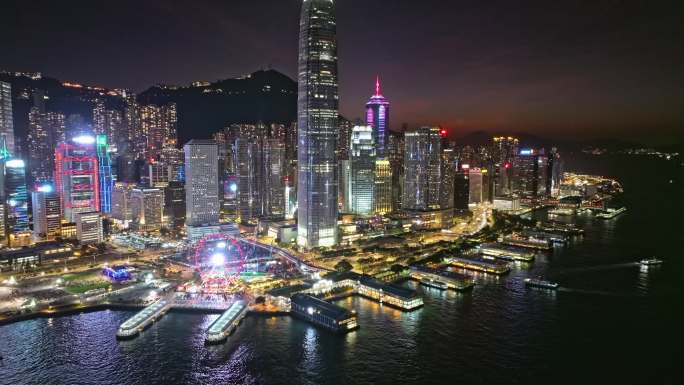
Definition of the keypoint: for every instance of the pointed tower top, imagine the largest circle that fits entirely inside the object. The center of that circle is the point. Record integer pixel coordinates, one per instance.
(377, 85)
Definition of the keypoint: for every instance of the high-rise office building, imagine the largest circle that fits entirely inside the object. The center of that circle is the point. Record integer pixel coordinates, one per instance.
(422, 168)
(201, 183)
(343, 136)
(556, 171)
(46, 129)
(344, 183)
(449, 168)
(377, 116)
(172, 158)
(383, 187)
(362, 156)
(88, 227)
(6, 119)
(250, 177)
(16, 195)
(38, 144)
(105, 176)
(395, 149)
(174, 206)
(47, 214)
(526, 173)
(504, 149)
(147, 208)
(461, 190)
(274, 177)
(476, 189)
(76, 176)
(121, 205)
(317, 114)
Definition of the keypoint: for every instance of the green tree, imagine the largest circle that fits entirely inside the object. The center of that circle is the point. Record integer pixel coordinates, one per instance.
(343, 266)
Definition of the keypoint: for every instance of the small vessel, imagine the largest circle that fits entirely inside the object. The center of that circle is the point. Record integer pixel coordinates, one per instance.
(650, 262)
(541, 283)
(611, 213)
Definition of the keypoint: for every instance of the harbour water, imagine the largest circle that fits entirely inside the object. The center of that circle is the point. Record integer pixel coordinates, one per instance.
(611, 322)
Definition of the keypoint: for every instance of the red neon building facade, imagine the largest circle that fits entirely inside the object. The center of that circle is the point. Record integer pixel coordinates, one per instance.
(76, 178)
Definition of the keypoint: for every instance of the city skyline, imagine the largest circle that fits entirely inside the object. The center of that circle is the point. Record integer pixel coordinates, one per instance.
(595, 72)
(254, 230)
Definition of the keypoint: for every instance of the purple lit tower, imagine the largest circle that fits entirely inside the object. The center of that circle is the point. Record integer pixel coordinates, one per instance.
(377, 116)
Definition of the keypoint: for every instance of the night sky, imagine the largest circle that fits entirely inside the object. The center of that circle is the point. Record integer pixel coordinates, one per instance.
(557, 69)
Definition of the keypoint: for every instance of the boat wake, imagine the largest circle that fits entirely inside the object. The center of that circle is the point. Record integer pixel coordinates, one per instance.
(599, 268)
(592, 292)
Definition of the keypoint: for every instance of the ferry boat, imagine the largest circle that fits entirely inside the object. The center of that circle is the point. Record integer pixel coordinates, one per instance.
(561, 212)
(611, 213)
(541, 283)
(433, 283)
(651, 262)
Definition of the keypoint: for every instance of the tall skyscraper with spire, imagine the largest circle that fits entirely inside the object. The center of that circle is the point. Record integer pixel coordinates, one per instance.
(6, 119)
(377, 116)
(317, 124)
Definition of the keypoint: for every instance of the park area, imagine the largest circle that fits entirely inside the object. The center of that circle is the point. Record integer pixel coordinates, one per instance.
(83, 282)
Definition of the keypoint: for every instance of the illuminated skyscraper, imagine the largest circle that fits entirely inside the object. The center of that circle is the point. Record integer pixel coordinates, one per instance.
(45, 131)
(362, 154)
(147, 207)
(6, 119)
(446, 193)
(250, 177)
(505, 149)
(476, 186)
(395, 155)
(121, 204)
(344, 190)
(526, 172)
(422, 159)
(317, 114)
(274, 177)
(104, 174)
(201, 183)
(158, 125)
(76, 176)
(343, 136)
(377, 116)
(383, 187)
(88, 227)
(16, 196)
(109, 122)
(47, 214)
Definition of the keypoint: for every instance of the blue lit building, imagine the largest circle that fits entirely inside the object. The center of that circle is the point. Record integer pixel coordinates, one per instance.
(377, 116)
(16, 195)
(105, 174)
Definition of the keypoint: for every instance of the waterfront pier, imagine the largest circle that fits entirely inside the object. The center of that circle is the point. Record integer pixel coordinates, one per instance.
(228, 321)
(441, 279)
(506, 252)
(479, 264)
(141, 320)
